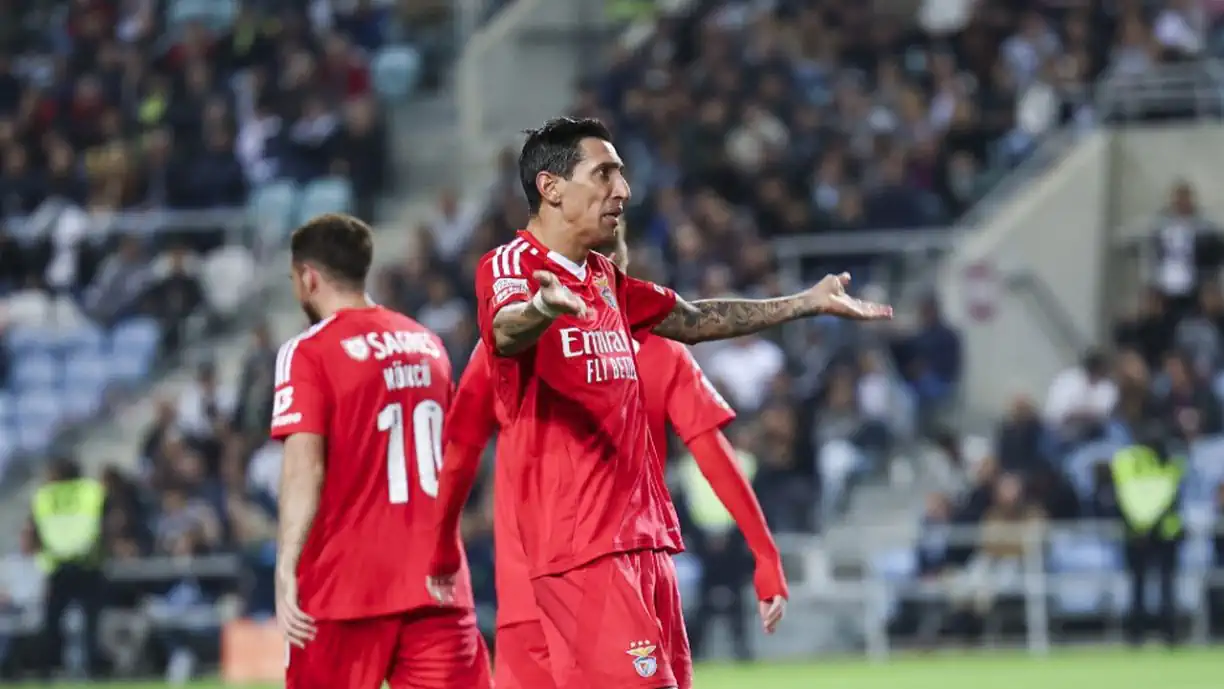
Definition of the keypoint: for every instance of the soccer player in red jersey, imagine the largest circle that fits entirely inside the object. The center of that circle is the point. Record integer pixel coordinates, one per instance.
(360, 401)
(595, 519)
(676, 392)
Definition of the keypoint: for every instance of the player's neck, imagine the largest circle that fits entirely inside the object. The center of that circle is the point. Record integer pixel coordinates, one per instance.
(345, 301)
(556, 237)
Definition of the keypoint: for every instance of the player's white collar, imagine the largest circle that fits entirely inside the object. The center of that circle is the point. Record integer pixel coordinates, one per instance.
(578, 270)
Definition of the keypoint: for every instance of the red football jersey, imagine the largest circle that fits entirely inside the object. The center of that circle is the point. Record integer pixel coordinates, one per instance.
(677, 393)
(376, 385)
(576, 438)
(473, 419)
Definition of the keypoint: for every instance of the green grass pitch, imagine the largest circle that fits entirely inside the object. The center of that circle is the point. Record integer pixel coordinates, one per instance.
(1151, 668)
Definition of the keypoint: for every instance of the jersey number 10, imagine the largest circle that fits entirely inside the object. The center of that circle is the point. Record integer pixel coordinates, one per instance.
(427, 442)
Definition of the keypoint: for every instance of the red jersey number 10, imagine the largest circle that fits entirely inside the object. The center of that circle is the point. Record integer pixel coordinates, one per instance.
(427, 441)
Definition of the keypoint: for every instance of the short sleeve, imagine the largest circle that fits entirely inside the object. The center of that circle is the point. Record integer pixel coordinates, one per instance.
(300, 402)
(472, 419)
(694, 406)
(646, 303)
(498, 285)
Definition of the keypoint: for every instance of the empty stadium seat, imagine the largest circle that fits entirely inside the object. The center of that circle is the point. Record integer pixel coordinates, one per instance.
(138, 336)
(38, 416)
(86, 337)
(25, 338)
(396, 72)
(327, 195)
(33, 371)
(87, 375)
(1078, 564)
(271, 209)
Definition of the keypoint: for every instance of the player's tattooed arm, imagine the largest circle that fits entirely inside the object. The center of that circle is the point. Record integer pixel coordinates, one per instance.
(517, 327)
(721, 319)
(301, 484)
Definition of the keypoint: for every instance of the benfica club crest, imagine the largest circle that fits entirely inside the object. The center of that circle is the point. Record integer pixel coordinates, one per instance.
(643, 658)
(605, 291)
(356, 348)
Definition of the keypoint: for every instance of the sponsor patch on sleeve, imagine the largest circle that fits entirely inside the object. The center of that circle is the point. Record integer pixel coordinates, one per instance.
(505, 289)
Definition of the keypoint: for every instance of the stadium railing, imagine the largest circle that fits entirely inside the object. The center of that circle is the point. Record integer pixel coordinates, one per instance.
(1069, 584)
(69, 371)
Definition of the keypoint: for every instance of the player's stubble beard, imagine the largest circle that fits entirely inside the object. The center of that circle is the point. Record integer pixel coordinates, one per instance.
(312, 314)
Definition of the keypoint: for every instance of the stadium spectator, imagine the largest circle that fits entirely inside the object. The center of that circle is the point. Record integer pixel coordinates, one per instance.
(206, 406)
(1021, 443)
(253, 409)
(1201, 335)
(1190, 407)
(931, 360)
(1188, 247)
(1150, 329)
(1081, 399)
(997, 565)
(745, 369)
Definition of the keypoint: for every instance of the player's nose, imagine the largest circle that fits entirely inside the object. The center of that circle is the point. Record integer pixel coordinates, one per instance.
(620, 189)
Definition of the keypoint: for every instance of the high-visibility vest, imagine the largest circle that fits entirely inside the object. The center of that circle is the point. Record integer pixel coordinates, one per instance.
(1147, 491)
(68, 518)
(705, 508)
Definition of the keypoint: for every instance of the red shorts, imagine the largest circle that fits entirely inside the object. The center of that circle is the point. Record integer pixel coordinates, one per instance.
(428, 649)
(615, 623)
(521, 660)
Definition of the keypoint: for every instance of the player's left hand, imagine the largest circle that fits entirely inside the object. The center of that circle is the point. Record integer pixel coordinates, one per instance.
(772, 612)
(296, 625)
(829, 297)
(441, 588)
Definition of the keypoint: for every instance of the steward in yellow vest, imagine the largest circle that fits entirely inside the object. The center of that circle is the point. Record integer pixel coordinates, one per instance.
(67, 512)
(1147, 481)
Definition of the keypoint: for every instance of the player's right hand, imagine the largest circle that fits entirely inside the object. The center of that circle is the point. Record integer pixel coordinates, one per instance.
(557, 296)
(296, 625)
(772, 612)
(769, 580)
(829, 297)
(441, 588)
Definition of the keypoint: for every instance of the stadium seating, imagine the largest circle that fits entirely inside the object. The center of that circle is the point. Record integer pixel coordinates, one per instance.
(68, 359)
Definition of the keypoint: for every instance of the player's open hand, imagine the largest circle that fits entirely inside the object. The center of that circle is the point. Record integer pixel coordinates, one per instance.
(441, 588)
(557, 298)
(296, 625)
(772, 612)
(829, 297)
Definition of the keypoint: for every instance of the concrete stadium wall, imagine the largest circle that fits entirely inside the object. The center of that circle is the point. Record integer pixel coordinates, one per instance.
(1062, 231)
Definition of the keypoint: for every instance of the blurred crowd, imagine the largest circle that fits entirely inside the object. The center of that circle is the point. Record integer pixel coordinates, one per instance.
(1161, 381)
(740, 122)
(150, 154)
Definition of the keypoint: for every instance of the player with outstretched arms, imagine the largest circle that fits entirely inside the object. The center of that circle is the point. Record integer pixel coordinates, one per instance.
(595, 519)
(676, 393)
(360, 401)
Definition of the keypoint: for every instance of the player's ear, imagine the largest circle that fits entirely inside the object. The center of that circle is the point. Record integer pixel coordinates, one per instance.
(550, 187)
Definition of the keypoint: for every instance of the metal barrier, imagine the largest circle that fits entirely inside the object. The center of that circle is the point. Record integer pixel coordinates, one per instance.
(868, 602)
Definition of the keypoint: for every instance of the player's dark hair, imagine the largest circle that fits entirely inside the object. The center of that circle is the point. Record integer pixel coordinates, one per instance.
(337, 244)
(556, 148)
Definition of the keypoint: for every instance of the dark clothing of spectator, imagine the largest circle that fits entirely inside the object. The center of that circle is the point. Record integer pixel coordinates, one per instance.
(1022, 445)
